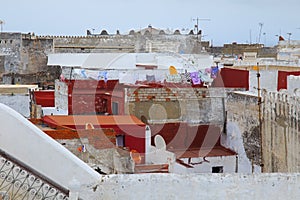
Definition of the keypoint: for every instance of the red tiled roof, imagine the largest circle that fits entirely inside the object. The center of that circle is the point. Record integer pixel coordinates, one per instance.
(82, 120)
(203, 152)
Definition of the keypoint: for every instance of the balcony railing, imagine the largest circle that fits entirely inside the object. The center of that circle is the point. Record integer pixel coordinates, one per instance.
(19, 181)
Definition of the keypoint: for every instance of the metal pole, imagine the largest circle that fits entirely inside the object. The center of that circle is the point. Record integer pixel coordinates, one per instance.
(259, 118)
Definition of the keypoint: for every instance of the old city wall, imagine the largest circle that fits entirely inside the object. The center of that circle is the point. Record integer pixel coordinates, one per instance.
(132, 43)
(34, 54)
(171, 104)
(281, 132)
(26, 54)
(10, 52)
(242, 109)
(23, 59)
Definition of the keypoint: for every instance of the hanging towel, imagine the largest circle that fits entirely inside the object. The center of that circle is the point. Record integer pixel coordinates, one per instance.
(83, 74)
(173, 70)
(195, 78)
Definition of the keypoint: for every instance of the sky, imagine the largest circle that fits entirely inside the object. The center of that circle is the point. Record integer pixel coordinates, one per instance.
(221, 21)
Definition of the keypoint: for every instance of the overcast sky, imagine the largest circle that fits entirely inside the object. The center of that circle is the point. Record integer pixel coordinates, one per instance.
(229, 20)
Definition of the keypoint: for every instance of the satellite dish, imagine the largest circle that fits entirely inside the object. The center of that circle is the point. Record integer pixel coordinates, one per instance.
(160, 142)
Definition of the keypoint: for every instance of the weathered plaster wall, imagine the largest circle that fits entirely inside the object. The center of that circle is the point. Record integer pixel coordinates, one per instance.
(61, 95)
(242, 109)
(10, 48)
(18, 102)
(109, 160)
(293, 84)
(34, 55)
(24, 59)
(281, 132)
(192, 105)
(197, 186)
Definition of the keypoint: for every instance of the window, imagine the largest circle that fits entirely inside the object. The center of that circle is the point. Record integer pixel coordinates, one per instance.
(217, 169)
(115, 108)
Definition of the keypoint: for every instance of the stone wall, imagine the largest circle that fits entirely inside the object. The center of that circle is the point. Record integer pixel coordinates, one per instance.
(135, 43)
(242, 109)
(109, 160)
(22, 55)
(34, 55)
(172, 104)
(43, 78)
(281, 132)
(10, 48)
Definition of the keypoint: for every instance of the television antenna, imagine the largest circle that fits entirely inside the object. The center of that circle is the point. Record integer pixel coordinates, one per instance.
(1, 24)
(260, 25)
(197, 25)
(289, 38)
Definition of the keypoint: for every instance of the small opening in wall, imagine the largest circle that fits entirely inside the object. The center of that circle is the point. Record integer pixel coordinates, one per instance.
(120, 140)
(217, 169)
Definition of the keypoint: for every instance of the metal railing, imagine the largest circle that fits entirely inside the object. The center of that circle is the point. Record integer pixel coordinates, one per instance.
(19, 181)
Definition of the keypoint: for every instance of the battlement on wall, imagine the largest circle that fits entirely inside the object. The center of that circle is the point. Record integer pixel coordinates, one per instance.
(105, 33)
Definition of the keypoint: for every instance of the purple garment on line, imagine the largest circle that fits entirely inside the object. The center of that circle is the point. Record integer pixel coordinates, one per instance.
(195, 78)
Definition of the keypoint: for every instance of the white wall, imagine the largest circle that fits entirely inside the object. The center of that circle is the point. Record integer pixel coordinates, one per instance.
(18, 102)
(198, 186)
(27, 143)
(268, 80)
(293, 83)
(234, 141)
(227, 162)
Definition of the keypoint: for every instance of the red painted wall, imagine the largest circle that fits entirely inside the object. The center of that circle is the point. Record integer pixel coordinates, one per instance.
(184, 136)
(282, 78)
(88, 96)
(44, 98)
(232, 78)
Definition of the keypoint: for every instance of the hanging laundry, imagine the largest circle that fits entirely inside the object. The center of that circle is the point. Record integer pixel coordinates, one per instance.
(62, 77)
(174, 78)
(83, 74)
(102, 75)
(91, 74)
(195, 78)
(204, 77)
(173, 70)
(105, 76)
(186, 77)
(81, 148)
(214, 72)
(208, 70)
(150, 78)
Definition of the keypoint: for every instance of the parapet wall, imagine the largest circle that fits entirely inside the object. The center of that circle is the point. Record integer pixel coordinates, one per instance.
(242, 109)
(197, 186)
